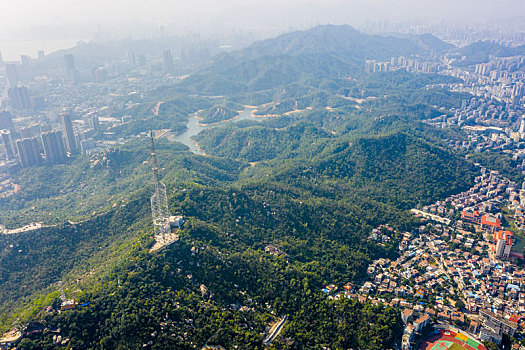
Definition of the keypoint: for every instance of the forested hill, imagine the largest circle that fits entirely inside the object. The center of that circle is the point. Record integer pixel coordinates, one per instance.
(398, 169)
(321, 52)
(279, 207)
(479, 52)
(341, 40)
(318, 213)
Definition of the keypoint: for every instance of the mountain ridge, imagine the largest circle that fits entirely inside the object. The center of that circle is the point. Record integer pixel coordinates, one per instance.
(324, 51)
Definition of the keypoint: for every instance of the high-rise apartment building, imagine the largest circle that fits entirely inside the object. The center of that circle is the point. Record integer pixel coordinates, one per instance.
(6, 121)
(9, 146)
(71, 69)
(19, 97)
(69, 135)
(94, 122)
(30, 131)
(54, 149)
(132, 58)
(28, 152)
(12, 74)
(168, 61)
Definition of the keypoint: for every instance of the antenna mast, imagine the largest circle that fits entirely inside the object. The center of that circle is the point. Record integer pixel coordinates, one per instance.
(159, 201)
(155, 168)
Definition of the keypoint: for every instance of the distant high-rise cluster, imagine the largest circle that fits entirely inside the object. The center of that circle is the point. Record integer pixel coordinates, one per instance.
(461, 34)
(39, 144)
(169, 66)
(403, 63)
(99, 74)
(71, 70)
(507, 71)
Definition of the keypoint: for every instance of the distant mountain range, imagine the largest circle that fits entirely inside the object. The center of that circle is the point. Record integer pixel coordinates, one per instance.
(327, 51)
(480, 51)
(345, 41)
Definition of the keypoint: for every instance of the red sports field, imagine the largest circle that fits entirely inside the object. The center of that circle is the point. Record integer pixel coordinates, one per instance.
(450, 340)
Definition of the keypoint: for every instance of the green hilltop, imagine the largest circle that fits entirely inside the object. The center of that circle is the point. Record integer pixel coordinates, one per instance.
(278, 208)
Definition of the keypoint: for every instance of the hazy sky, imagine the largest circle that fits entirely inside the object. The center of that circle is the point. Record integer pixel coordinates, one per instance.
(49, 20)
(16, 13)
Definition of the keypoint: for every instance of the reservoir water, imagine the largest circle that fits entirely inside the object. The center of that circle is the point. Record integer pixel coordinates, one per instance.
(193, 128)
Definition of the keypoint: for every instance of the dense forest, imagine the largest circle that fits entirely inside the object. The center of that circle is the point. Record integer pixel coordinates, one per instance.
(318, 212)
(334, 154)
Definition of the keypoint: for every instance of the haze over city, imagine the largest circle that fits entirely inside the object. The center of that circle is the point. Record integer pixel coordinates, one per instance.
(84, 20)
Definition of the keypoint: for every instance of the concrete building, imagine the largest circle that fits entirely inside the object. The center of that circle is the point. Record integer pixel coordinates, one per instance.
(9, 145)
(421, 322)
(28, 152)
(19, 97)
(6, 121)
(503, 242)
(71, 70)
(30, 131)
(406, 315)
(93, 122)
(12, 74)
(493, 326)
(54, 149)
(69, 135)
(169, 66)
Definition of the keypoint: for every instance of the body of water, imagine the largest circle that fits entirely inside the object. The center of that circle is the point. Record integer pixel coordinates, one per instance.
(193, 128)
(12, 49)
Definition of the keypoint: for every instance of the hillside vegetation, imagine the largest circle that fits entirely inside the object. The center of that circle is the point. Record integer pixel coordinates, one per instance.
(278, 208)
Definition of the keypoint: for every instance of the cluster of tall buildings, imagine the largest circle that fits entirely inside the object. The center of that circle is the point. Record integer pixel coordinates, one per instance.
(19, 96)
(99, 74)
(36, 146)
(507, 75)
(461, 34)
(136, 59)
(506, 67)
(28, 152)
(404, 63)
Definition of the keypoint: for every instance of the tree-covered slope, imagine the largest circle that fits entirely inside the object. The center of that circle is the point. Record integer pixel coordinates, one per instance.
(275, 211)
(33, 262)
(480, 51)
(88, 185)
(256, 143)
(219, 284)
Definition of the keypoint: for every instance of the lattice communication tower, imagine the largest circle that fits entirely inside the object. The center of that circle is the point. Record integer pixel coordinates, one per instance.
(159, 201)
